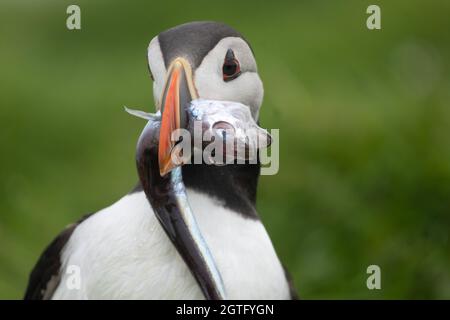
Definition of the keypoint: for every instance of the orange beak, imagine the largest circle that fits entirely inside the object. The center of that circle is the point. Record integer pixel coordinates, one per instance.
(178, 92)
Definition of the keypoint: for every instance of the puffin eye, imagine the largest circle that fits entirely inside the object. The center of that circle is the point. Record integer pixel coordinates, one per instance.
(230, 69)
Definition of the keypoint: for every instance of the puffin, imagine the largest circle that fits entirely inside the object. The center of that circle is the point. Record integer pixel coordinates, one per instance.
(183, 232)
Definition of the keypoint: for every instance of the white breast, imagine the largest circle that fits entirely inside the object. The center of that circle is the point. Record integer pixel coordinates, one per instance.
(122, 252)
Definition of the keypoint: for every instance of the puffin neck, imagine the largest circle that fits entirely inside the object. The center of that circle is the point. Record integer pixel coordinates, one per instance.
(234, 185)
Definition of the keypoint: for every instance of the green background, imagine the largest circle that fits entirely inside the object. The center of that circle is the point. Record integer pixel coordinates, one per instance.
(364, 120)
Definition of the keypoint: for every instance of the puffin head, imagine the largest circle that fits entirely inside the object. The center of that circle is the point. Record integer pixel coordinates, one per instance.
(218, 64)
(200, 60)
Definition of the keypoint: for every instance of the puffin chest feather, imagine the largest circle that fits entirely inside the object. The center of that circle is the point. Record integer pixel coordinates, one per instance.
(122, 252)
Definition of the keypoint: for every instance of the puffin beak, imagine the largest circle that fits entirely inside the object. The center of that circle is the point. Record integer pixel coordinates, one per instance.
(179, 91)
(166, 192)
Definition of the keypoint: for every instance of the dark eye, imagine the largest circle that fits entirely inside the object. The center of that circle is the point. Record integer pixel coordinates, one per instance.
(230, 69)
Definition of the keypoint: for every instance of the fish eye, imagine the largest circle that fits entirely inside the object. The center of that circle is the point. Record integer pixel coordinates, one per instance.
(231, 68)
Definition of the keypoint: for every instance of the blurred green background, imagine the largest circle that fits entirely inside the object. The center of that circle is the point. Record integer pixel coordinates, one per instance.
(364, 120)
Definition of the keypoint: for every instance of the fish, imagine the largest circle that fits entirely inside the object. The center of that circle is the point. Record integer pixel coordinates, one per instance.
(231, 124)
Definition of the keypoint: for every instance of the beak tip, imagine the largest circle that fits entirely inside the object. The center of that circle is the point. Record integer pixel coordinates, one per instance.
(163, 172)
(165, 165)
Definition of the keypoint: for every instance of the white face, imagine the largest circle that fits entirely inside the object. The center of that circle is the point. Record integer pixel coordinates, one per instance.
(209, 81)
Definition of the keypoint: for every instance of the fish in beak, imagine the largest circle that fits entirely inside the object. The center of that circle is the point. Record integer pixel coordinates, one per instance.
(178, 92)
(180, 108)
(162, 179)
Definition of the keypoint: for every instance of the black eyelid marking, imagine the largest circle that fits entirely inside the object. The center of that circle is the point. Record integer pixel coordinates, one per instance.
(230, 55)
